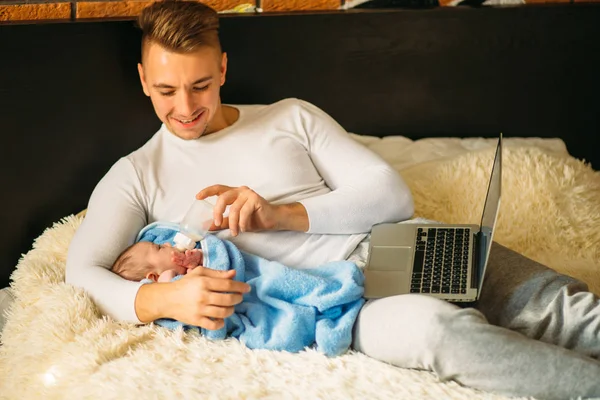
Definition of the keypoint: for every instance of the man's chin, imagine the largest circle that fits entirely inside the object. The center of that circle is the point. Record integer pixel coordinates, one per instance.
(189, 135)
(186, 134)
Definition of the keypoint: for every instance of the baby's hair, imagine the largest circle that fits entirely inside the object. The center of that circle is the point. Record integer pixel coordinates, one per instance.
(129, 267)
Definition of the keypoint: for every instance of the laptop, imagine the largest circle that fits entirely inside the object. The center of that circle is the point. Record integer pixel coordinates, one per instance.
(446, 261)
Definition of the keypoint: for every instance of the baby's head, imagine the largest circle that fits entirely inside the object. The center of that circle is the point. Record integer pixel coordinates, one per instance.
(148, 260)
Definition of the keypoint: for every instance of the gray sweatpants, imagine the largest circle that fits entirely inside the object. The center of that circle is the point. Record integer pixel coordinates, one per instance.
(533, 332)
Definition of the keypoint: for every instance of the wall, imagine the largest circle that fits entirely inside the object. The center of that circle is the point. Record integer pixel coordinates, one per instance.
(61, 10)
(24, 11)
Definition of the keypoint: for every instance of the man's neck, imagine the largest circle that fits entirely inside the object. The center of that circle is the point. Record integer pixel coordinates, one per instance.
(227, 117)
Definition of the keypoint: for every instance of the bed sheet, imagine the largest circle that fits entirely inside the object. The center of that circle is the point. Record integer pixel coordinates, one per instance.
(402, 152)
(74, 352)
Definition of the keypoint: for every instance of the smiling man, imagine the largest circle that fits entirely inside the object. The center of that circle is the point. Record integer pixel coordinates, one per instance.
(184, 101)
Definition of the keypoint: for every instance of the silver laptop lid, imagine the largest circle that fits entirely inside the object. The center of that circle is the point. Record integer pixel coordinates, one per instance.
(490, 213)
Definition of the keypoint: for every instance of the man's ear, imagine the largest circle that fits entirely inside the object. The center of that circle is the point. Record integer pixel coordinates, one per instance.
(223, 67)
(153, 276)
(143, 80)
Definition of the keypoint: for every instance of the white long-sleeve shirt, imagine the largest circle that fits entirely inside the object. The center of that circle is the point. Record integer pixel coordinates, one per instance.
(287, 152)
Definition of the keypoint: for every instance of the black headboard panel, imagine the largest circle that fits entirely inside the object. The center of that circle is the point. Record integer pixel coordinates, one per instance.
(71, 103)
(526, 71)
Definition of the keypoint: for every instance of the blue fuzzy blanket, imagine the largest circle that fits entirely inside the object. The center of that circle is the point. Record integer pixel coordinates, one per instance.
(287, 309)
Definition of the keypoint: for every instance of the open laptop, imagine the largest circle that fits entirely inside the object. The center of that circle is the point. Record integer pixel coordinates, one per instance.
(446, 261)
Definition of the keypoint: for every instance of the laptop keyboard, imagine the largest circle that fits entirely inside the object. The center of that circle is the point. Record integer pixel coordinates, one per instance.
(441, 260)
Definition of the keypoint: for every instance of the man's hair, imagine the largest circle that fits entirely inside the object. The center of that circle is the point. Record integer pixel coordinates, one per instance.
(129, 266)
(179, 26)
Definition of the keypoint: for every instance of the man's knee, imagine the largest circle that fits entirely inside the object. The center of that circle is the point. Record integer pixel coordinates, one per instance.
(405, 330)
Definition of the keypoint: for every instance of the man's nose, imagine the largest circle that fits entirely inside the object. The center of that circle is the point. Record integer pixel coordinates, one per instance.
(185, 105)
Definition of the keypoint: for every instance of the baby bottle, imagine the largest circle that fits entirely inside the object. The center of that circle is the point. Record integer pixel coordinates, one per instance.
(194, 226)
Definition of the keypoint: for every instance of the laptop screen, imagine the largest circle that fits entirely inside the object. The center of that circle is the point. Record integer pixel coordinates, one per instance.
(490, 212)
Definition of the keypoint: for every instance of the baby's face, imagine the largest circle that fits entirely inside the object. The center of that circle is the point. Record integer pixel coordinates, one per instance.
(162, 259)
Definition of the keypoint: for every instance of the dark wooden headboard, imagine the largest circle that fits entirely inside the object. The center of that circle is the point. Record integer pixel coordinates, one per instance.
(71, 103)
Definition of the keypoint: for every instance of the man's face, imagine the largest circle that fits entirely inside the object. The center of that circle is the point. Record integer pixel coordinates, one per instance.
(184, 88)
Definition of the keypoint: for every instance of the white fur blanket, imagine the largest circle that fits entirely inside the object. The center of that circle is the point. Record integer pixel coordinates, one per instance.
(57, 346)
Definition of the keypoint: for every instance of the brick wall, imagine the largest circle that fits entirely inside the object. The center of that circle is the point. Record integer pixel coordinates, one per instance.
(23, 11)
(64, 10)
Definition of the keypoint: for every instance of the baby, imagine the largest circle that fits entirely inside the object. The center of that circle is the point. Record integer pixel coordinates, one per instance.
(156, 262)
(286, 309)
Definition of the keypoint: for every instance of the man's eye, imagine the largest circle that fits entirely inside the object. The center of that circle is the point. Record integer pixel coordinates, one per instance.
(167, 93)
(201, 89)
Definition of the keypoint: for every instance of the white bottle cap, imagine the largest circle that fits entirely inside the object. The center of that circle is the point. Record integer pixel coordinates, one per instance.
(183, 242)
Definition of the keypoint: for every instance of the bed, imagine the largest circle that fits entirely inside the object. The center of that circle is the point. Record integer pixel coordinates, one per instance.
(428, 90)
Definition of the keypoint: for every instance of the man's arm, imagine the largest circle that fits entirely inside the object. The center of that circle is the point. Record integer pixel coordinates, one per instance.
(365, 190)
(116, 213)
(292, 217)
(114, 216)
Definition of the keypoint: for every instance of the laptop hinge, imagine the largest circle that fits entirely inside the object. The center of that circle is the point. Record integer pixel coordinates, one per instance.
(476, 256)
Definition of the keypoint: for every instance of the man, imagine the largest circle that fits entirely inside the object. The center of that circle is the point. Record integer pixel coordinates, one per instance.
(301, 192)
(292, 153)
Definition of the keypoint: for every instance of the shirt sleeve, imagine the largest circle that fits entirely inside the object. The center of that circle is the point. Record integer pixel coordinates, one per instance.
(365, 190)
(115, 214)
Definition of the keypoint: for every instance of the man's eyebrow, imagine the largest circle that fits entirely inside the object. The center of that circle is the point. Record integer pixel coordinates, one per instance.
(166, 86)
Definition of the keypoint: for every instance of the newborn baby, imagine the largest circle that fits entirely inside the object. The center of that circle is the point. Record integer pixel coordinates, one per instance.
(157, 262)
(287, 309)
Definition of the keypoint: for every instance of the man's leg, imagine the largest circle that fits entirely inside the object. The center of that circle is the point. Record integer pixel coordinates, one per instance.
(527, 297)
(415, 331)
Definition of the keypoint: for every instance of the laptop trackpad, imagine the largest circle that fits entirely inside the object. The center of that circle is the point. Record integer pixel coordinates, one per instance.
(390, 258)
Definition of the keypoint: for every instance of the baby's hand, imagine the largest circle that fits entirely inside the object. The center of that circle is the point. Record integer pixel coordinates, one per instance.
(193, 258)
(178, 258)
(189, 259)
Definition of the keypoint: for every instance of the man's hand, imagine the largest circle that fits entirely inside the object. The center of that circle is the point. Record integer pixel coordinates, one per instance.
(249, 212)
(204, 298)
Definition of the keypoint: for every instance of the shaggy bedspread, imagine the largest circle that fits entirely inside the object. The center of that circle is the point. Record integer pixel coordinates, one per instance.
(57, 346)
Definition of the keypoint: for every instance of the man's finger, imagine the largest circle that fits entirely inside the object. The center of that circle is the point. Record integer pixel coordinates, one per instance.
(224, 225)
(226, 286)
(246, 216)
(210, 324)
(234, 214)
(217, 312)
(224, 300)
(226, 198)
(202, 271)
(213, 190)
